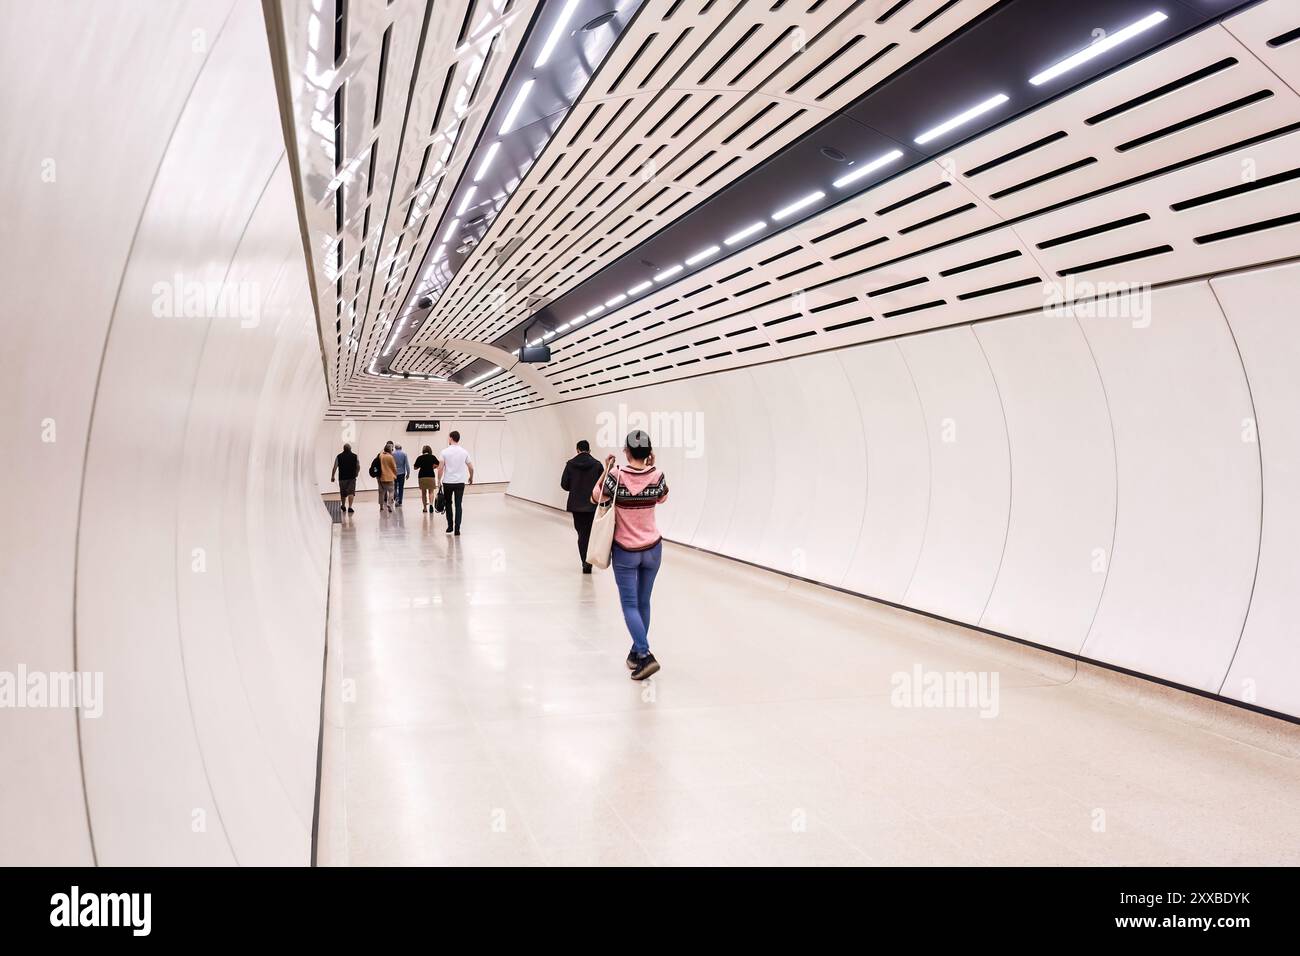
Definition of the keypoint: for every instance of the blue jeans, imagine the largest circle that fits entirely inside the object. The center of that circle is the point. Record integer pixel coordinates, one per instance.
(401, 488)
(635, 573)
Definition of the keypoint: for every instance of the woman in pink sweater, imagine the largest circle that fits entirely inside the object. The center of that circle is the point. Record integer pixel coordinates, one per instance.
(636, 490)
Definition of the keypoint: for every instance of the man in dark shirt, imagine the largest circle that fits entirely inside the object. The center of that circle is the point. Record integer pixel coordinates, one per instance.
(346, 467)
(579, 478)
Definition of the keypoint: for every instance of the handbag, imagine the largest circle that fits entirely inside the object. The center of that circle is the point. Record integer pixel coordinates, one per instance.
(440, 502)
(600, 546)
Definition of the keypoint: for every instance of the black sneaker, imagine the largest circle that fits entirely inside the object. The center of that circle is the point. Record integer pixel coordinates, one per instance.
(645, 667)
(632, 660)
(586, 569)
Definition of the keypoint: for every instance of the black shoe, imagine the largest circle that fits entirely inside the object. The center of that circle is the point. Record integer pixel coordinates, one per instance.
(586, 569)
(350, 511)
(458, 532)
(645, 667)
(632, 660)
(448, 531)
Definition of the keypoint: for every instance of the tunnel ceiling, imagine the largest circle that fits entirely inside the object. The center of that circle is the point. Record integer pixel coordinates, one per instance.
(1179, 163)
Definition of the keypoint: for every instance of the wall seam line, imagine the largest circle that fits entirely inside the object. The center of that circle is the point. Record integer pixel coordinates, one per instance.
(1259, 453)
(90, 423)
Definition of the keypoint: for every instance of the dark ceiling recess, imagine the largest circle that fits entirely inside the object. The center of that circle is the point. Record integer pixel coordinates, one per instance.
(597, 22)
(989, 62)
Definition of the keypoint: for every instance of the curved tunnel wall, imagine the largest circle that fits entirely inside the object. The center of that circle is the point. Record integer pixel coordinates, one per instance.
(1115, 485)
(169, 534)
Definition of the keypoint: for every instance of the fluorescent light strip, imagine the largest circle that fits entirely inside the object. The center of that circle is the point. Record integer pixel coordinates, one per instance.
(798, 204)
(993, 102)
(703, 254)
(469, 198)
(745, 233)
(669, 273)
(520, 98)
(561, 328)
(592, 313)
(610, 303)
(1108, 42)
(487, 161)
(639, 288)
(557, 31)
(451, 230)
(869, 168)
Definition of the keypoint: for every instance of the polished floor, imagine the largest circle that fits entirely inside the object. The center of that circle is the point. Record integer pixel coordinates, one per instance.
(488, 719)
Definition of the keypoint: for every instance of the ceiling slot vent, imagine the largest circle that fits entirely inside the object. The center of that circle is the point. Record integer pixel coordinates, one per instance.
(1194, 120)
(1116, 260)
(1093, 231)
(1160, 91)
(1248, 229)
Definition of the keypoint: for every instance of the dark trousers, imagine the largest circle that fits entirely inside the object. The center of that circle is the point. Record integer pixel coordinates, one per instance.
(455, 498)
(401, 487)
(582, 524)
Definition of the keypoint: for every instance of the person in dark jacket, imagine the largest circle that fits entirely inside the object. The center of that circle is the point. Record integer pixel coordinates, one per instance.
(580, 475)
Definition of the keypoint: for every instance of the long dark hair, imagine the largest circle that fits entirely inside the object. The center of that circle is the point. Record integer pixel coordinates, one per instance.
(638, 445)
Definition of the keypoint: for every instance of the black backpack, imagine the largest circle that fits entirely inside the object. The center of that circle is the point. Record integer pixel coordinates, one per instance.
(374, 468)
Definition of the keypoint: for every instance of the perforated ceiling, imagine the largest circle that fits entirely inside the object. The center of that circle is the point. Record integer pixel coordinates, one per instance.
(1181, 163)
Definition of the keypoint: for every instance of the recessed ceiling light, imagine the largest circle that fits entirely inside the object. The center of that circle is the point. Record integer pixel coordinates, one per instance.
(1108, 42)
(669, 273)
(833, 154)
(703, 254)
(798, 204)
(744, 233)
(557, 31)
(520, 98)
(947, 126)
(868, 168)
(487, 161)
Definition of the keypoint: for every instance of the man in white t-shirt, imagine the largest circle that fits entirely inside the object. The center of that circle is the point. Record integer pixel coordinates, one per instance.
(454, 471)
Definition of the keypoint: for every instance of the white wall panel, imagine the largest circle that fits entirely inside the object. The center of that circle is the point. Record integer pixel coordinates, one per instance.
(898, 471)
(200, 556)
(1260, 308)
(718, 470)
(1063, 480)
(1187, 527)
(818, 462)
(64, 141)
(167, 662)
(970, 475)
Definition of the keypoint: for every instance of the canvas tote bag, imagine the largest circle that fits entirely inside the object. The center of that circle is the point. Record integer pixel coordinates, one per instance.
(600, 546)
